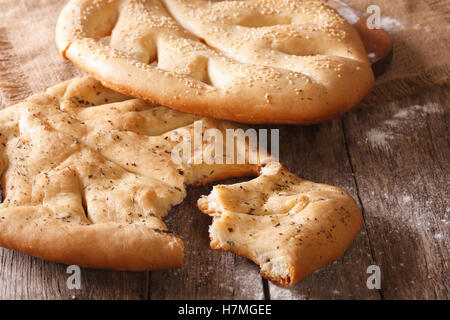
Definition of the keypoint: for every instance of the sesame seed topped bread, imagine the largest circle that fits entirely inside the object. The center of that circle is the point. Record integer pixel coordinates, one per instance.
(87, 177)
(260, 61)
(289, 226)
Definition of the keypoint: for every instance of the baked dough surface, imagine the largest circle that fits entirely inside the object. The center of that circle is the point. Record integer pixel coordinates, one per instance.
(289, 226)
(261, 61)
(87, 176)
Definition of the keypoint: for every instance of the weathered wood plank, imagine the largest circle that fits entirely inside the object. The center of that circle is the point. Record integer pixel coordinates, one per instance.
(318, 153)
(400, 155)
(24, 277)
(208, 274)
(13, 82)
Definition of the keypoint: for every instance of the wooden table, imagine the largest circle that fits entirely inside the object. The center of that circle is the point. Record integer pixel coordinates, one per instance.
(392, 157)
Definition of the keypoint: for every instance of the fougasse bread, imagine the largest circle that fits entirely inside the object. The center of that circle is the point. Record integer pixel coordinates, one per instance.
(88, 175)
(259, 61)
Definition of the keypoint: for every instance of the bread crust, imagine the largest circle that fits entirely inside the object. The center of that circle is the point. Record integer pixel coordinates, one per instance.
(103, 246)
(251, 68)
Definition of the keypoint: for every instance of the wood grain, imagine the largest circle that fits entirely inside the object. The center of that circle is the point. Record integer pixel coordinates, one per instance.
(400, 155)
(13, 82)
(24, 277)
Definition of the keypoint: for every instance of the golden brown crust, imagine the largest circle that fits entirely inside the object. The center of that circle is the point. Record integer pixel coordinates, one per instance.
(87, 175)
(264, 61)
(31, 230)
(287, 225)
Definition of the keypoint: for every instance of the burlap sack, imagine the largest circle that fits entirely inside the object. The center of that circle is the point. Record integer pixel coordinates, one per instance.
(29, 61)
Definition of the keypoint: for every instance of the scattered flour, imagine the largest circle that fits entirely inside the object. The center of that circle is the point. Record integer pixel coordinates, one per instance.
(390, 24)
(280, 293)
(438, 236)
(380, 136)
(336, 292)
(405, 199)
(412, 111)
(422, 27)
(350, 15)
(372, 56)
(247, 281)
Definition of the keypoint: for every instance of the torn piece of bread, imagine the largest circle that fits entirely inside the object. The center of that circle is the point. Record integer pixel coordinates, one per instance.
(260, 61)
(288, 226)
